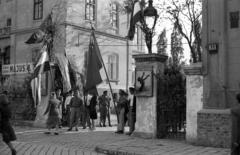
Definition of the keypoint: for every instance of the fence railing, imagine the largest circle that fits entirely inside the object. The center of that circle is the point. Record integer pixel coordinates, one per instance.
(5, 31)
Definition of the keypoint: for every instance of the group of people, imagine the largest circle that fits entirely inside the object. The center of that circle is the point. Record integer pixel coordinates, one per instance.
(76, 109)
(75, 106)
(84, 109)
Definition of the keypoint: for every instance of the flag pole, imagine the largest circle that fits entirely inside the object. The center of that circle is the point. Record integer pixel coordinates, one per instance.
(108, 82)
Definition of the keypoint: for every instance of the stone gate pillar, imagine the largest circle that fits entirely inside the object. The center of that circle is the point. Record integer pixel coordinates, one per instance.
(194, 94)
(146, 123)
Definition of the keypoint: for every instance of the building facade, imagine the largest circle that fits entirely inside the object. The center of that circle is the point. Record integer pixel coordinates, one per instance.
(221, 37)
(19, 19)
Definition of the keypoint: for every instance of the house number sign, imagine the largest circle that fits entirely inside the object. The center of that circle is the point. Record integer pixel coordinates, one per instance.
(213, 48)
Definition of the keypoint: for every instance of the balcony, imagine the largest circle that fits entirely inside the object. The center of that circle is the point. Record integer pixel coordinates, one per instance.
(5, 31)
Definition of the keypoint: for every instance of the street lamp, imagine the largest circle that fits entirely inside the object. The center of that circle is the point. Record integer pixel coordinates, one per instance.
(150, 14)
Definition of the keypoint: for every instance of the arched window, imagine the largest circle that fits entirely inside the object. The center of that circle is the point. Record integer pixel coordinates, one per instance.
(113, 66)
(113, 22)
(35, 54)
(6, 55)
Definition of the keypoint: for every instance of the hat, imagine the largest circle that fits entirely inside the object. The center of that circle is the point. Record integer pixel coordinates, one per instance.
(131, 88)
(105, 91)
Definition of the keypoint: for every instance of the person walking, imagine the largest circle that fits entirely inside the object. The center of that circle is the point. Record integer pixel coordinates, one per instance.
(53, 110)
(6, 129)
(67, 106)
(120, 109)
(93, 111)
(76, 103)
(104, 107)
(132, 110)
(60, 98)
(85, 110)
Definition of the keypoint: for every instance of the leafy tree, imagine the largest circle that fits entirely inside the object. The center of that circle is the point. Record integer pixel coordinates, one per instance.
(186, 16)
(176, 46)
(162, 43)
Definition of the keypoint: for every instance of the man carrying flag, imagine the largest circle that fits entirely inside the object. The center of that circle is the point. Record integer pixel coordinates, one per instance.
(38, 36)
(136, 16)
(42, 66)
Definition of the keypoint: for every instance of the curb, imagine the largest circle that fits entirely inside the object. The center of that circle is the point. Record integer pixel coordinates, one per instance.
(101, 149)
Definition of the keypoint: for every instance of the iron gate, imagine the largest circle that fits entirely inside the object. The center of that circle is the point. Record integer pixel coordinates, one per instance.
(171, 107)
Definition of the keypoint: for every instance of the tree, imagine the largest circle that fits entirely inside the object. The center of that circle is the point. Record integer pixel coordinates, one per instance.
(185, 15)
(176, 46)
(162, 43)
(198, 40)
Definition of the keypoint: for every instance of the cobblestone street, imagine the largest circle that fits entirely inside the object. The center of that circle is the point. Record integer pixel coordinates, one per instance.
(32, 141)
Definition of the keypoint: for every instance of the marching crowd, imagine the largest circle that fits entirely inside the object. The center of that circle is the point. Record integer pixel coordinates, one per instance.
(77, 110)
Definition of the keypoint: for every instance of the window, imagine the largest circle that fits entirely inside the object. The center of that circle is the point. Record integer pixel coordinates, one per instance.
(38, 9)
(113, 66)
(6, 55)
(35, 53)
(113, 15)
(9, 22)
(90, 10)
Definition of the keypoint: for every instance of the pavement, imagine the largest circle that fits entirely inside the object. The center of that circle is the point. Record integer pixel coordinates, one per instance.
(33, 141)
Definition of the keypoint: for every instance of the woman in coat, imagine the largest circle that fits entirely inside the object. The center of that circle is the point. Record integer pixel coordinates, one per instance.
(121, 103)
(53, 110)
(93, 110)
(6, 129)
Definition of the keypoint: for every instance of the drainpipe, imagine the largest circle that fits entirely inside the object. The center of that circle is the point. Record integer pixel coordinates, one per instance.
(127, 79)
(127, 42)
(224, 58)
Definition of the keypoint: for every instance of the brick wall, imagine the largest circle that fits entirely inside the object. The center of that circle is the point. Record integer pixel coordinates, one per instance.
(214, 128)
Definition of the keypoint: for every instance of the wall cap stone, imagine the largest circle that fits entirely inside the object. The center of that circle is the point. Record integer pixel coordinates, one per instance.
(193, 69)
(214, 111)
(150, 57)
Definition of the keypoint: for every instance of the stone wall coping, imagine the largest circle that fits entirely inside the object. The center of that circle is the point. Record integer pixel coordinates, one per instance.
(214, 111)
(150, 57)
(193, 69)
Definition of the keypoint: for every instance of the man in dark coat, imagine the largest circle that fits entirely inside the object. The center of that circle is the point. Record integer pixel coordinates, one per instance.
(132, 110)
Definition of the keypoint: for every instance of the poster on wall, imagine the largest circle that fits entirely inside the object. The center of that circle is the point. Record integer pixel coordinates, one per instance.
(44, 81)
(144, 82)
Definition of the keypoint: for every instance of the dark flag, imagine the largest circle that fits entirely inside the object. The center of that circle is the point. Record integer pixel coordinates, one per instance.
(94, 65)
(37, 37)
(93, 91)
(136, 16)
